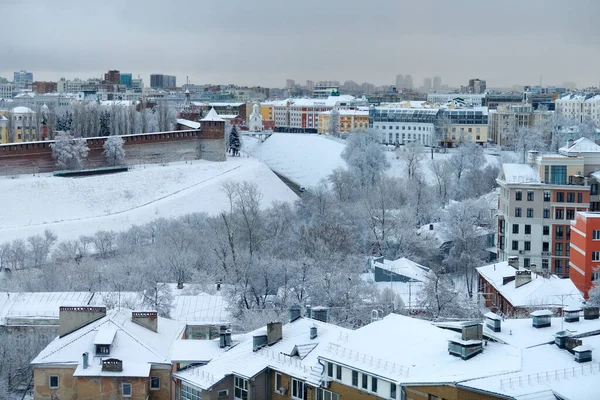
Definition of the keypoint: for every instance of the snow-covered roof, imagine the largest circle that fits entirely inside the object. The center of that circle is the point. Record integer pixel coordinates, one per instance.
(519, 173)
(188, 123)
(402, 266)
(359, 113)
(195, 351)
(16, 306)
(136, 346)
(330, 101)
(241, 360)
(409, 350)
(212, 116)
(581, 145)
(22, 110)
(201, 308)
(539, 292)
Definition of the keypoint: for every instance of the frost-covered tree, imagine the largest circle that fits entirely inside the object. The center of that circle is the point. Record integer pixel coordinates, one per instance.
(114, 151)
(69, 152)
(104, 129)
(235, 145)
(364, 155)
(525, 139)
(440, 299)
(411, 156)
(333, 127)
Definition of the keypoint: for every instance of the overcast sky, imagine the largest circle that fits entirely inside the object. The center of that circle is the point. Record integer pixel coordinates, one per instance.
(263, 42)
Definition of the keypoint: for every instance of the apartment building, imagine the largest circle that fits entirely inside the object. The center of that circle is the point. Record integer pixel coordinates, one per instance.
(350, 120)
(538, 201)
(396, 124)
(579, 106)
(509, 118)
(585, 258)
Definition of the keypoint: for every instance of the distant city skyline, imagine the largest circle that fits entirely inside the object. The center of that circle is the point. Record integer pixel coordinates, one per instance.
(264, 43)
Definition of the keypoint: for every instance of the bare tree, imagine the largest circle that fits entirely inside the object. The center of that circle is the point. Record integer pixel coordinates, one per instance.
(411, 155)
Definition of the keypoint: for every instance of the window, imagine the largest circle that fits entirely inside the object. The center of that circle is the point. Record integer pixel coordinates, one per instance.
(559, 232)
(558, 174)
(545, 263)
(298, 390)
(560, 197)
(528, 229)
(338, 372)
(373, 384)
(570, 214)
(517, 211)
(558, 248)
(393, 385)
(222, 394)
(545, 230)
(594, 189)
(595, 255)
(527, 246)
(330, 370)
(515, 228)
(518, 195)
(570, 197)
(53, 382)
(278, 384)
(567, 251)
(240, 388)
(355, 378)
(365, 381)
(154, 383)
(580, 197)
(515, 245)
(595, 276)
(323, 394)
(558, 267)
(190, 393)
(530, 195)
(546, 213)
(558, 213)
(546, 195)
(530, 213)
(545, 246)
(102, 349)
(126, 389)
(527, 263)
(596, 234)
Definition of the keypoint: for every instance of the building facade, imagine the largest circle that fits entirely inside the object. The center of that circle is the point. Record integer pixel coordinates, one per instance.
(579, 107)
(350, 121)
(585, 256)
(507, 119)
(160, 81)
(538, 201)
(399, 125)
(23, 79)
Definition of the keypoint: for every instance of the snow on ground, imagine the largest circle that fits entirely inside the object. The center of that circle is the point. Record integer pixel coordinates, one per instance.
(71, 207)
(303, 158)
(307, 158)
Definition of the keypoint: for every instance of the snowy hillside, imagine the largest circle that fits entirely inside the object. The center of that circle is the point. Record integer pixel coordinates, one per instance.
(81, 206)
(303, 158)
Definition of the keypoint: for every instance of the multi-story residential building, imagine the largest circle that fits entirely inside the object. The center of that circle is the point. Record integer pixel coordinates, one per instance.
(6, 90)
(579, 107)
(23, 79)
(113, 76)
(464, 124)
(44, 87)
(3, 129)
(507, 119)
(119, 354)
(475, 86)
(160, 81)
(302, 115)
(70, 86)
(126, 80)
(538, 200)
(437, 83)
(398, 124)
(323, 90)
(350, 120)
(585, 257)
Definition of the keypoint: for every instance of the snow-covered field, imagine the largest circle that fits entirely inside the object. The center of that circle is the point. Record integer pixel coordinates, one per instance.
(308, 158)
(71, 207)
(303, 158)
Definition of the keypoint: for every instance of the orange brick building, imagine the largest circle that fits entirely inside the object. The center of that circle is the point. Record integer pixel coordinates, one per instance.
(585, 254)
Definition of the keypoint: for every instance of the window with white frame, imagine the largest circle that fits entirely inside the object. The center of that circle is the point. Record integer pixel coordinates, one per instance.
(298, 389)
(53, 382)
(595, 255)
(240, 388)
(330, 370)
(154, 383)
(323, 394)
(596, 234)
(278, 383)
(126, 389)
(190, 393)
(338, 372)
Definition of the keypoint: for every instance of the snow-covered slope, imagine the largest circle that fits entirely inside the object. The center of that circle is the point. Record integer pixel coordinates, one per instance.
(81, 206)
(302, 158)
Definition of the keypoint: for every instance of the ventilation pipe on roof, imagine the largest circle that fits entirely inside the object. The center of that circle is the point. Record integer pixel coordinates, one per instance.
(313, 332)
(85, 360)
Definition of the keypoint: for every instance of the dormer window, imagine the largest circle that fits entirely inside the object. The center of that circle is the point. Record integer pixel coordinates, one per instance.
(102, 349)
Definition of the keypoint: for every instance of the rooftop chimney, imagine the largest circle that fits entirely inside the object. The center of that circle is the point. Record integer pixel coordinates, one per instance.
(570, 142)
(147, 319)
(320, 313)
(73, 318)
(522, 277)
(430, 227)
(313, 332)
(222, 331)
(85, 360)
(513, 261)
(295, 312)
(274, 333)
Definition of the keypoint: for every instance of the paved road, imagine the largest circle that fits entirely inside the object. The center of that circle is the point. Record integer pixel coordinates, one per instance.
(291, 184)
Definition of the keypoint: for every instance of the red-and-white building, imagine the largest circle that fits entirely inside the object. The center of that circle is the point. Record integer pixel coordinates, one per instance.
(585, 250)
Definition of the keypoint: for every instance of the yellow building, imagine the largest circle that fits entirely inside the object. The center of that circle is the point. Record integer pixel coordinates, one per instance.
(266, 111)
(457, 133)
(20, 125)
(350, 121)
(3, 131)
